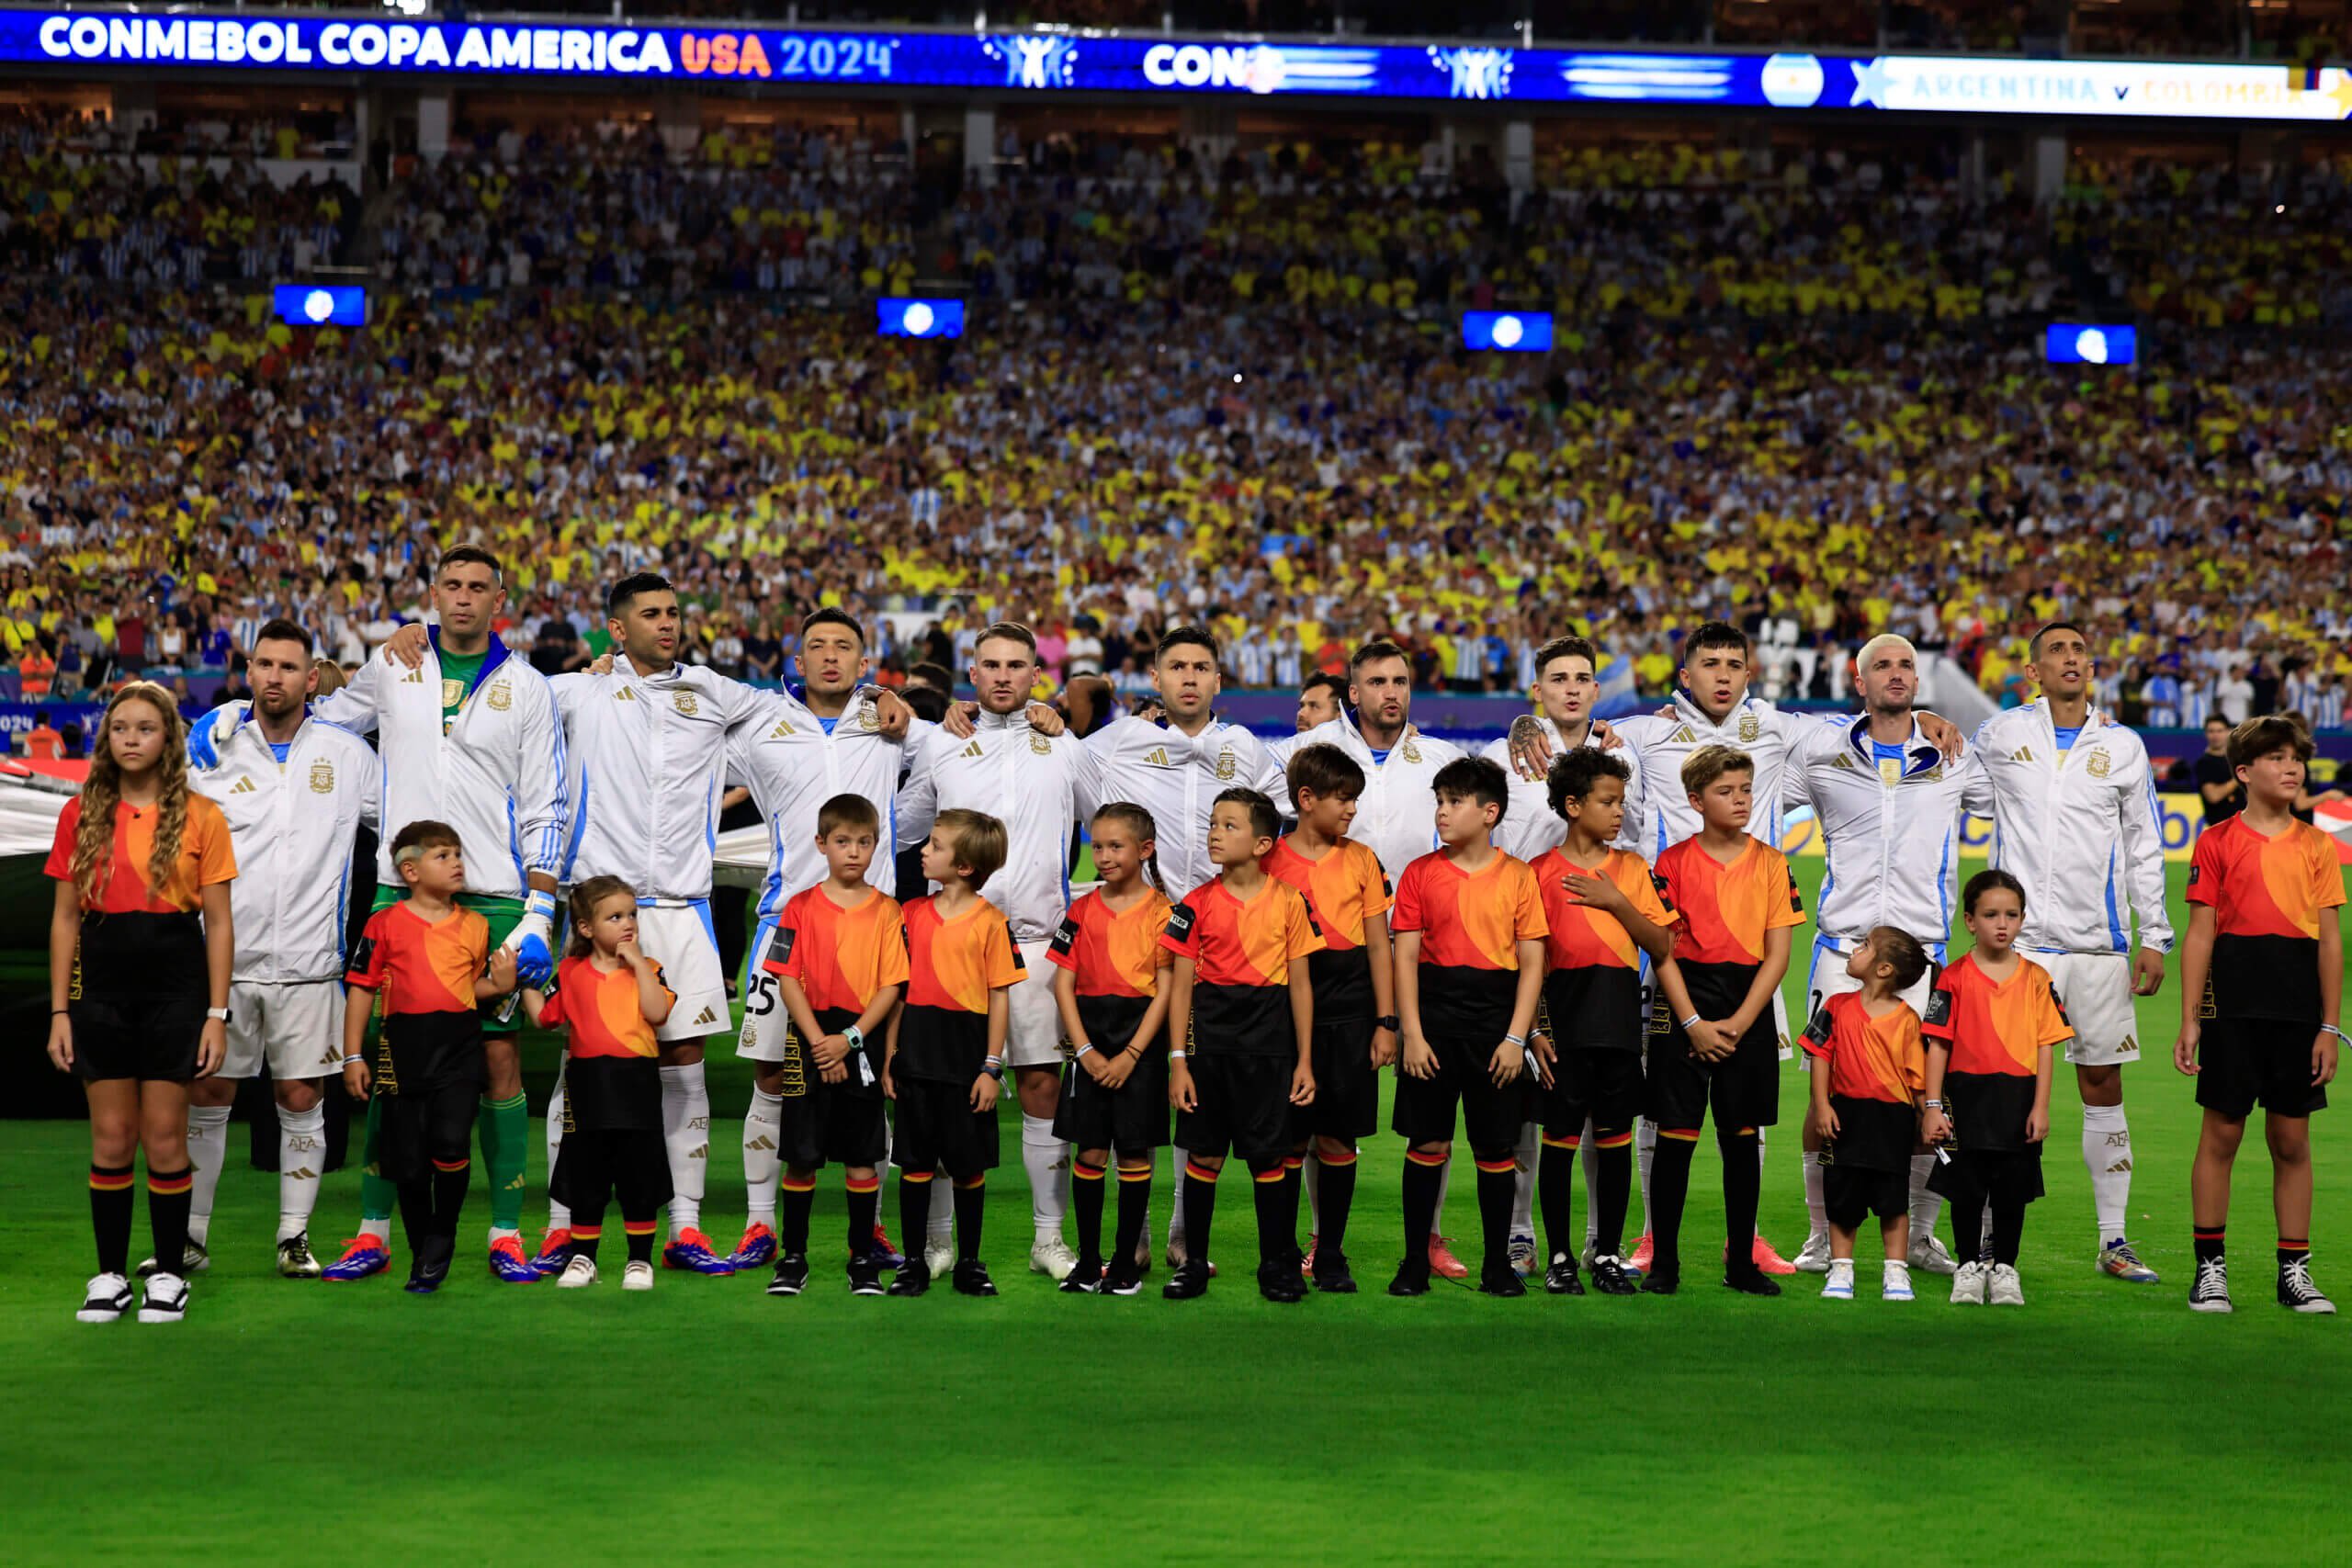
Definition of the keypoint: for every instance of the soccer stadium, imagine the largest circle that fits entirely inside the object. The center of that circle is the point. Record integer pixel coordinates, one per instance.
(1594, 746)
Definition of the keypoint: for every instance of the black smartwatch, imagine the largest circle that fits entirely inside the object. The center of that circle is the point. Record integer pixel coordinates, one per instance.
(1390, 1023)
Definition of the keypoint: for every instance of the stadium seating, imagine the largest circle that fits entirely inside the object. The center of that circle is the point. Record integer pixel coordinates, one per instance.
(1808, 396)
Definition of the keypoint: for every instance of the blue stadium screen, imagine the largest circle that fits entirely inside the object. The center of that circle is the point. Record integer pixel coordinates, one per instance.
(1509, 332)
(320, 305)
(2081, 343)
(921, 318)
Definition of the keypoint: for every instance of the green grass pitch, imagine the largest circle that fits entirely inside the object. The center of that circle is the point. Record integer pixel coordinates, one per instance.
(706, 1422)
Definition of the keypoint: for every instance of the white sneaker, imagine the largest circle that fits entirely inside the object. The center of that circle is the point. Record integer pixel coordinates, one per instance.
(167, 1299)
(1968, 1284)
(1052, 1258)
(580, 1270)
(939, 1256)
(105, 1299)
(2005, 1288)
(637, 1276)
(1840, 1286)
(1928, 1254)
(1814, 1257)
(1895, 1281)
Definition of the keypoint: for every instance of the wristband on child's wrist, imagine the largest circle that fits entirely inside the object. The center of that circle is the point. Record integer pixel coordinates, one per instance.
(1175, 1055)
(1686, 1023)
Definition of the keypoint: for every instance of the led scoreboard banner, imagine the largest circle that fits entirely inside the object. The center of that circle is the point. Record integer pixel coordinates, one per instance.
(1042, 63)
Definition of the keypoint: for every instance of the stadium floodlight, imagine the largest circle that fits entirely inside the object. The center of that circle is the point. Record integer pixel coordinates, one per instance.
(320, 304)
(902, 317)
(2084, 343)
(1508, 332)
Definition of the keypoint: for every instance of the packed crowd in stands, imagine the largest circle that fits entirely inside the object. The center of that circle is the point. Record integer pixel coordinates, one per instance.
(1198, 411)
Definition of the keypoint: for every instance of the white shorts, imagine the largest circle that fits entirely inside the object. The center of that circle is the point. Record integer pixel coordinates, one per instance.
(2096, 990)
(1034, 1031)
(1827, 978)
(680, 939)
(764, 1018)
(297, 1028)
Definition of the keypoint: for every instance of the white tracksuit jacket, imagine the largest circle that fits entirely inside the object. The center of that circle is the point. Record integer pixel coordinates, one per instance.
(1177, 778)
(497, 777)
(1396, 814)
(2079, 829)
(648, 766)
(792, 766)
(1039, 786)
(1893, 847)
(292, 824)
(1530, 826)
(1660, 817)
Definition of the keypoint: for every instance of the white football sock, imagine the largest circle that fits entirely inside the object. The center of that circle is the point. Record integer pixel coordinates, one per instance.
(762, 1156)
(1926, 1207)
(685, 1128)
(207, 1151)
(1444, 1181)
(2107, 1150)
(301, 1155)
(1817, 1207)
(1176, 1159)
(381, 1230)
(1645, 1154)
(1310, 1176)
(1047, 1158)
(1522, 1182)
(559, 1214)
(941, 1227)
(1588, 1158)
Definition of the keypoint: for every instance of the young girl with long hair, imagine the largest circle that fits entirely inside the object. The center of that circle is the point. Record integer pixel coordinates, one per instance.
(139, 950)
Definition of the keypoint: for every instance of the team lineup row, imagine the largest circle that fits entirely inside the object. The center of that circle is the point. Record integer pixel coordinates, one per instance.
(618, 774)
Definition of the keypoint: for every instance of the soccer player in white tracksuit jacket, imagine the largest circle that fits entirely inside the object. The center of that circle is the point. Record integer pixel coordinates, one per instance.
(1396, 813)
(648, 741)
(1040, 787)
(2075, 821)
(295, 791)
(1891, 807)
(1175, 767)
(470, 738)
